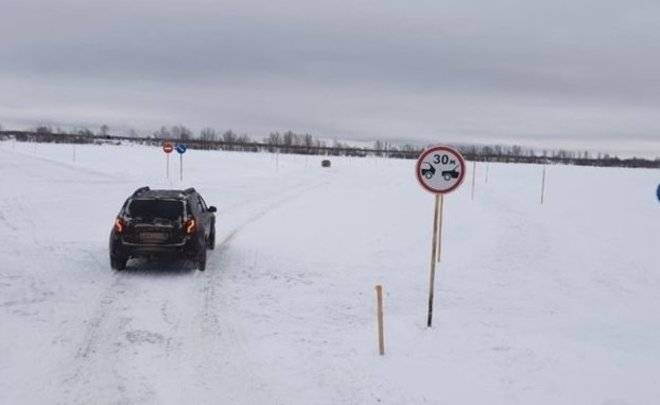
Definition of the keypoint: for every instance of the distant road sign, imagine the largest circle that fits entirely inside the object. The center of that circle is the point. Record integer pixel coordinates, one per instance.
(181, 148)
(440, 169)
(167, 147)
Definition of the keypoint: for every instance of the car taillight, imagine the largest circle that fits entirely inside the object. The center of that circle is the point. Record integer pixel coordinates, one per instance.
(119, 225)
(190, 226)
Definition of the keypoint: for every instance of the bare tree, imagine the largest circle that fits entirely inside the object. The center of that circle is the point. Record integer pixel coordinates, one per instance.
(44, 129)
(162, 133)
(181, 132)
(274, 138)
(104, 130)
(243, 139)
(85, 132)
(208, 135)
(229, 136)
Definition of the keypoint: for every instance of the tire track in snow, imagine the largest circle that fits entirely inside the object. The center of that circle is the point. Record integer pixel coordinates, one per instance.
(107, 322)
(215, 330)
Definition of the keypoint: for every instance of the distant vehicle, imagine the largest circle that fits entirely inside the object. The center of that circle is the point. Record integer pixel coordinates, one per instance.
(163, 223)
(325, 163)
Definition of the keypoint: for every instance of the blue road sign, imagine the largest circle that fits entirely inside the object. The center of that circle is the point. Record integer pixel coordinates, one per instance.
(658, 192)
(181, 148)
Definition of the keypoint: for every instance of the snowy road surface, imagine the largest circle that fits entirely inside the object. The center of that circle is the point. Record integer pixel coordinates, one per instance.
(552, 304)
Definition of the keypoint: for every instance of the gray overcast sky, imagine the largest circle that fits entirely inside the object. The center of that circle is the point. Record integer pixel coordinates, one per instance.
(552, 73)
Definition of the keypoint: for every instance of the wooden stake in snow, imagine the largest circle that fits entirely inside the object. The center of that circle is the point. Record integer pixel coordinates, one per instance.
(474, 173)
(381, 337)
(543, 185)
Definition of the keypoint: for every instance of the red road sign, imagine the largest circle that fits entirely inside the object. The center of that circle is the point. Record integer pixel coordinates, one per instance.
(168, 147)
(440, 169)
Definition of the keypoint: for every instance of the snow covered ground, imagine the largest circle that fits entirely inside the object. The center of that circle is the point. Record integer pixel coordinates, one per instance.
(552, 304)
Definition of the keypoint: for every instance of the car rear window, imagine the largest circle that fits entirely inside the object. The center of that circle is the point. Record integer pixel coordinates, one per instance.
(166, 209)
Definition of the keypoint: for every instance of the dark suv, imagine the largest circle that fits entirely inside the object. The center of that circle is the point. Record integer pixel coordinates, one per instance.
(163, 222)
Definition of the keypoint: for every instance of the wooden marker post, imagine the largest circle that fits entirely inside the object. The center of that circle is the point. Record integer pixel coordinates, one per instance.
(440, 170)
(381, 337)
(474, 173)
(543, 185)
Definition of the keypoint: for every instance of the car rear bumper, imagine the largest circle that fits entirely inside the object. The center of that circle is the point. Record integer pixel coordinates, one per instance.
(119, 247)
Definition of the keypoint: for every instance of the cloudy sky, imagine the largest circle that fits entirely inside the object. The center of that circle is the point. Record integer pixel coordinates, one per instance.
(577, 74)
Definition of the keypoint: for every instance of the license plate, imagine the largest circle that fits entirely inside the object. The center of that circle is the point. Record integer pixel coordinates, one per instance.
(153, 236)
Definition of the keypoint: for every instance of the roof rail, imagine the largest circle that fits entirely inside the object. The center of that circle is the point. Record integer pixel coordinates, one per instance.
(140, 190)
(189, 190)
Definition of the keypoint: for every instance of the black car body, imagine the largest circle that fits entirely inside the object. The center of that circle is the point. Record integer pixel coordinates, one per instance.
(163, 223)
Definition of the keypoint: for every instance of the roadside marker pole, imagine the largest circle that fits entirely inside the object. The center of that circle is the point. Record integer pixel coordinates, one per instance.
(381, 337)
(487, 167)
(74, 152)
(474, 173)
(543, 185)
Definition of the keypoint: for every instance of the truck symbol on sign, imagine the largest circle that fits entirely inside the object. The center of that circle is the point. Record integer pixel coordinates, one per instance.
(450, 174)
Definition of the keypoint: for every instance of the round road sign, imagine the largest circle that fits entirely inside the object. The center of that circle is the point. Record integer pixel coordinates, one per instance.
(167, 147)
(440, 169)
(181, 148)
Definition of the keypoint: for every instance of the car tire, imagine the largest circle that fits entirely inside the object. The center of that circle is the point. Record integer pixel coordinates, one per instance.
(210, 243)
(201, 259)
(118, 262)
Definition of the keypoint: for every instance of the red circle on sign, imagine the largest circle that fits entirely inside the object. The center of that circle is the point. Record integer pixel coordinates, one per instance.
(427, 152)
(168, 148)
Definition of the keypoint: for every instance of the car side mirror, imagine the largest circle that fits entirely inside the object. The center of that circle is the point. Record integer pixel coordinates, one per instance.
(213, 209)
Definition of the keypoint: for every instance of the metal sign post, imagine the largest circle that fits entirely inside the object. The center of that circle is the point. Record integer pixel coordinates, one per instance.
(440, 170)
(181, 149)
(167, 148)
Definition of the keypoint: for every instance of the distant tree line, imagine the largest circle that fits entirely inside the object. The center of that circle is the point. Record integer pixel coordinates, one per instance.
(291, 142)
